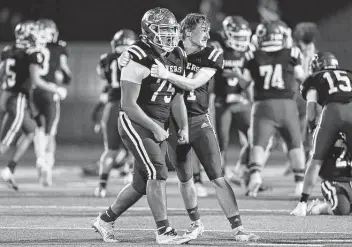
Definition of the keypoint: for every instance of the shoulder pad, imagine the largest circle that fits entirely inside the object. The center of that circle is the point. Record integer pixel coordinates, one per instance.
(62, 43)
(216, 45)
(295, 52)
(215, 57)
(137, 50)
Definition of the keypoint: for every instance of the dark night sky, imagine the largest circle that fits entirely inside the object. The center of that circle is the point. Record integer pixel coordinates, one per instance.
(98, 20)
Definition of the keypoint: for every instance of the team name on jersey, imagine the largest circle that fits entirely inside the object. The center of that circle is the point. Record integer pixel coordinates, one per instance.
(174, 68)
(193, 67)
(234, 63)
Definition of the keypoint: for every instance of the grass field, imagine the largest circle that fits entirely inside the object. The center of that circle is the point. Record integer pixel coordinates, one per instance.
(62, 215)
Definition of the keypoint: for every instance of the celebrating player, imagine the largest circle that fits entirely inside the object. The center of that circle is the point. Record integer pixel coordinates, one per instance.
(330, 87)
(203, 62)
(22, 63)
(145, 110)
(231, 102)
(55, 69)
(274, 70)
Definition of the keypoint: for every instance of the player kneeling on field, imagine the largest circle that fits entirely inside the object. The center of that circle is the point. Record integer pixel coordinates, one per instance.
(336, 177)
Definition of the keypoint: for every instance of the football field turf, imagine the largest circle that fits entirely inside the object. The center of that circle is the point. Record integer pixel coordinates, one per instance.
(62, 215)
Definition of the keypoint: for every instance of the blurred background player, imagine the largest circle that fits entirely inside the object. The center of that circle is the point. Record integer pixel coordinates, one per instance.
(330, 87)
(232, 104)
(22, 62)
(54, 69)
(115, 151)
(274, 70)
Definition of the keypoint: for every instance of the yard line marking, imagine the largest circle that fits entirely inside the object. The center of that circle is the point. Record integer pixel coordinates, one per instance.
(131, 209)
(212, 230)
(283, 244)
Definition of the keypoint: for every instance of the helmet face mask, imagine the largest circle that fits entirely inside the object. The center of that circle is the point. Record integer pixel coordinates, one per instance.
(160, 28)
(166, 36)
(27, 34)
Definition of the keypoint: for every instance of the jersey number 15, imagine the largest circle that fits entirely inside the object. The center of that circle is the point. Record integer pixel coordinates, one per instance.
(342, 81)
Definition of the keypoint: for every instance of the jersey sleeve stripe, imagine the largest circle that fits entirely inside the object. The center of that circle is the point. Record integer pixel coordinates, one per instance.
(211, 54)
(216, 56)
(135, 53)
(140, 50)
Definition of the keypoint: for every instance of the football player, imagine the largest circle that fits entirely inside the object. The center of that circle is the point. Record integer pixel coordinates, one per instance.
(146, 104)
(275, 71)
(336, 175)
(203, 62)
(22, 63)
(107, 69)
(232, 104)
(54, 69)
(330, 87)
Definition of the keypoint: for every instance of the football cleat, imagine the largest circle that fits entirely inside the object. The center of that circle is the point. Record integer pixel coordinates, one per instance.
(201, 190)
(9, 179)
(170, 236)
(100, 192)
(195, 229)
(243, 236)
(255, 181)
(106, 229)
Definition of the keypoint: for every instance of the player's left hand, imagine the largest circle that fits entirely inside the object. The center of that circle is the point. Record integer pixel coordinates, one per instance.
(158, 70)
(124, 59)
(183, 136)
(300, 210)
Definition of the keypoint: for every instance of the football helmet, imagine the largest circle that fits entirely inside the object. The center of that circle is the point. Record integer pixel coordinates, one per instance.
(26, 34)
(272, 36)
(122, 39)
(237, 33)
(323, 60)
(48, 30)
(160, 28)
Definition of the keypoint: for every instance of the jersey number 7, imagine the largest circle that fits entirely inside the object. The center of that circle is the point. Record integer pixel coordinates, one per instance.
(272, 76)
(170, 88)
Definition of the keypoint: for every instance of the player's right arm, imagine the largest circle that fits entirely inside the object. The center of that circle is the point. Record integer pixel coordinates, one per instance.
(131, 80)
(310, 94)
